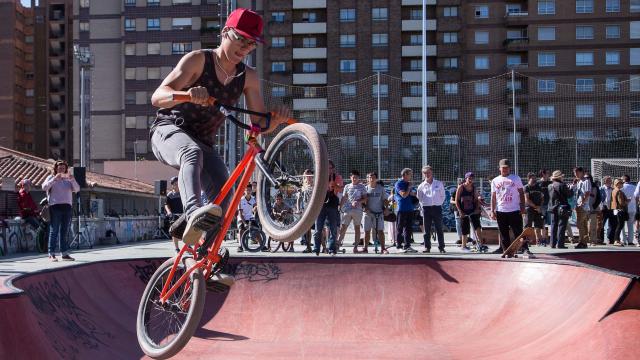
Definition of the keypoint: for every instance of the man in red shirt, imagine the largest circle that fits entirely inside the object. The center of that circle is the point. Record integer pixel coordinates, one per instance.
(28, 207)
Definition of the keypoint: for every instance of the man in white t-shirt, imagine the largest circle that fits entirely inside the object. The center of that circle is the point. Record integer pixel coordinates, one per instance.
(245, 213)
(507, 203)
(354, 196)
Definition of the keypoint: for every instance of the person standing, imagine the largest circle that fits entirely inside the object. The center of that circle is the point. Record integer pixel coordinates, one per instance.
(619, 204)
(329, 213)
(60, 186)
(354, 196)
(373, 218)
(507, 203)
(431, 195)
(609, 220)
(534, 199)
(246, 210)
(468, 207)
(173, 207)
(545, 181)
(559, 194)
(582, 190)
(405, 210)
(594, 210)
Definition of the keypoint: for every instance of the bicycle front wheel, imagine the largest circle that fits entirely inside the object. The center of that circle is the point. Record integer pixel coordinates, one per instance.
(253, 239)
(288, 210)
(164, 329)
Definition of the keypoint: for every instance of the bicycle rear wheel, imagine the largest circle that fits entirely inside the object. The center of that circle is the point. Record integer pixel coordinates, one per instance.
(164, 329)
(295, 149)
(253, 239)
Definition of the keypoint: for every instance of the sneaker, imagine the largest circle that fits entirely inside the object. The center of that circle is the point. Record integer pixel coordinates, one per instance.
(581, 246)
(465, 249)
(52, 258)
(497, 251)
(410, 250)
(442, 251)
(426, 251)
(67, 258)
(617, 243)
(220, 282)
(240, 249)
(202, 219)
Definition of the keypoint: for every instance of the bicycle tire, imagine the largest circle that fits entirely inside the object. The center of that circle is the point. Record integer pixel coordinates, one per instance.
(253, 233)
(13, 239)
(316, 146)
(194, 313)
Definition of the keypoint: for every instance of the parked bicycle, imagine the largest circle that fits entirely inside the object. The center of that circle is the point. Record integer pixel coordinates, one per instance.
(253, 239)
(173, 300)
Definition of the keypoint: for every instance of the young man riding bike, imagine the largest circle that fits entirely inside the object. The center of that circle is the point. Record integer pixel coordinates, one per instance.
(182, 136)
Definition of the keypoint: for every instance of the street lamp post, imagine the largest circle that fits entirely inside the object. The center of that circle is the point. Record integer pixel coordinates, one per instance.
(84, 57)
(425, 128)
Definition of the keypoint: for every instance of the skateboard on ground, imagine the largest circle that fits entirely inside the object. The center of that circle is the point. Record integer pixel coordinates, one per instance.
(512, 250)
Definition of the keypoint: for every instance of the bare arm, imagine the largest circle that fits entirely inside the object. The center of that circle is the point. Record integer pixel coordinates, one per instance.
(457, 199)
(255, 102)
(187, 71)
(521, 193)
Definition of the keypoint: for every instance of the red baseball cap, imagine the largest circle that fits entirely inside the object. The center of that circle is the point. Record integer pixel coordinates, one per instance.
(246, 22)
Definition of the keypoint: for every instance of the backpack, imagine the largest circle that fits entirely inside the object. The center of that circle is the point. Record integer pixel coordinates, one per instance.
(598, 196)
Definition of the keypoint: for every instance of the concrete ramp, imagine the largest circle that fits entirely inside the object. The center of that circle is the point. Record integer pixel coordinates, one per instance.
(340, 308)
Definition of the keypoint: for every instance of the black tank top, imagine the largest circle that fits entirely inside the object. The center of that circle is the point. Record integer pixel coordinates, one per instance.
(203, 122)
(467, 203)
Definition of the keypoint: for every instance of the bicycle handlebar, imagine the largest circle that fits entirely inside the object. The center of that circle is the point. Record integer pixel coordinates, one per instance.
(183, 96)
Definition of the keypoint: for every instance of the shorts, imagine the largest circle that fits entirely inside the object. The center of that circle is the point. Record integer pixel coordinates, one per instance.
(546, 214)
(370, 221)
(467, 221)
(353, 214)
(534, 218)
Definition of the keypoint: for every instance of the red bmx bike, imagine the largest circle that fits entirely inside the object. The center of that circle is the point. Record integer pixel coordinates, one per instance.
(173, 300)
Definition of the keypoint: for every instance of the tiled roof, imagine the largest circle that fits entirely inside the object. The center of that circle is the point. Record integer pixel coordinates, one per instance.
(24, 166)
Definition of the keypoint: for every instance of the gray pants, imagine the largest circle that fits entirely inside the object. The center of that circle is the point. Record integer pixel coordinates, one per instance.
(199, 165)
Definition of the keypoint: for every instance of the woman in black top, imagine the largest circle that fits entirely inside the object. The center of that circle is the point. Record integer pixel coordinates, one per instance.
(559, 194)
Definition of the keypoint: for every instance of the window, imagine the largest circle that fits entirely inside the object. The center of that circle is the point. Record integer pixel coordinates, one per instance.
(548, 135)
(634, 30)
(378, 14)
(584, 85)
(546, 111)
(178, 2)
(415, 14)
(584, 6)
(546, 86)
(153, 2)
(153, 73)
(129, 2)
(277, 41)
(180, 48)
(612, 110)
(381, 65)
(84, 3)
(153, 24)
(612, 84)
(28, 92)
(510, 137)
(153, 49)
(380, 39)
(482, 113)
(29, 38)
(130, 122)
(450, 114)
(584, 111)
(130, 49)
(481, 62)
(310, 42)
(612, 31)
(129, 24)
(613, 6)
(634, 83)
(278, 91)
(450, 63)
(482, 138)
(181, 23)
(481, 37)
(546, 7)
(309, 67)
(130, 98)
(347, 15)
(415, 140)
(546, 33)
(383, 143)
(634, 110)
(514, 60)
(634, 56)
(415, 39)
(277, 16)
(348, 90)
(84, 26)
(309, 17)
(613, 58)
(348, 40)
(482, 11)
(451, 11)
(130, 73)
(450, 37)
(278, 67)
(481, 88)
(415, 64)
(634, 6)
(348, 142)
(415, 115)
(415, 90)
(348, 66)
(348, 116)
(584, 58)
(584, 32)
(384, 115)
(451, 88)
(310, 92)
(584, 136)
(384, 90)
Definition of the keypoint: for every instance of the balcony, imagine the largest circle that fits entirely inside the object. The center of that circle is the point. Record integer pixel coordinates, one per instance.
(416, 25)
(309, 4)
(321, 128)
(415, 127)
(520, 66)
(416, 101)
(417, 2)
(310, 79)
(310, 28)
(310, 104)
(310, 53)
(515, 18)
(416, 50)
(516, 44)
(416, 76)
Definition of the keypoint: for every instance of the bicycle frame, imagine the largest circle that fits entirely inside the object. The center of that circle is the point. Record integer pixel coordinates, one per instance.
(243, 171)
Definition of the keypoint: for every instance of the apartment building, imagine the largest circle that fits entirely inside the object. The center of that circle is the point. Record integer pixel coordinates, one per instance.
(17, 105)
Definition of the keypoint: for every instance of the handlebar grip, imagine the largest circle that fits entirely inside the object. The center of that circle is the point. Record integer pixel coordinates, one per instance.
(291, 121)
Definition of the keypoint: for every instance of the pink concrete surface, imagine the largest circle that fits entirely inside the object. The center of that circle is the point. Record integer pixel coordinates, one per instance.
(340, 308)
(624, 261)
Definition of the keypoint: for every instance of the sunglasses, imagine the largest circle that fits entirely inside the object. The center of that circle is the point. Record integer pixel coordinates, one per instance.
(245, 42)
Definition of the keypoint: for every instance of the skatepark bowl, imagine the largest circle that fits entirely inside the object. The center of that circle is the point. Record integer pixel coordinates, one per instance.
(340, 308)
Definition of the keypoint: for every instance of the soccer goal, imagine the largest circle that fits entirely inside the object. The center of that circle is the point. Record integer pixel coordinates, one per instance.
(615, 167)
